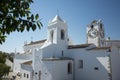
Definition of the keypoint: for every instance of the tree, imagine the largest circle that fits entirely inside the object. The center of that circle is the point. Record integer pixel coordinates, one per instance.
(15, 15)
(4, 69)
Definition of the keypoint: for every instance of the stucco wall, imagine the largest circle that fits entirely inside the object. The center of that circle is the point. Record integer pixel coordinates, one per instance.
(115, 58)
(91, 59)
(20, 58)
(56, 70)
(26, 72)
(54, 50)
(30, 47)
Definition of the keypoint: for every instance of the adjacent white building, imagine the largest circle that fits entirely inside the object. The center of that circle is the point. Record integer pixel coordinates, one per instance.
(57, 58)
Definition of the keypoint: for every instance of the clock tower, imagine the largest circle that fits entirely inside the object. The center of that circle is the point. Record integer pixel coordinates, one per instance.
(95, 33)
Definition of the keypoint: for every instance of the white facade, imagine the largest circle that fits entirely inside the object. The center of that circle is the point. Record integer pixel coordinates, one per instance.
(57, 69)
(56, 58)
(20, 58)
(26, 71)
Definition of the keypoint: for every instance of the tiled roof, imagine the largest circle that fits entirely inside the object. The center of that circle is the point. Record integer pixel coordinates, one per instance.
(100, 48)
(56, 59)
(28, 63)
(36, 42)
(78, 46)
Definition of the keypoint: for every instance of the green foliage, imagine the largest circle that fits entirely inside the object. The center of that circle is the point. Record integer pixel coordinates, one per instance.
(15, 15)
(4, 69)
(2, 57)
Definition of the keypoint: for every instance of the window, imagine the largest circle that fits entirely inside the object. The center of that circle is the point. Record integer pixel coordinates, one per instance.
(91, 26)
(62, 53)
(101, 28)
(119, 50)
(96, 68)
(80, 64)
(62, 34)
(69, 68)
(24, 75)
(27, 75)
(51, 35)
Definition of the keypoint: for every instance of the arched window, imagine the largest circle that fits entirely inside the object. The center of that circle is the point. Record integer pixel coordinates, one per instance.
(24, 75)
(51, 35)
(69, 68)
(27, 75)
(101, 27)
(62, 34)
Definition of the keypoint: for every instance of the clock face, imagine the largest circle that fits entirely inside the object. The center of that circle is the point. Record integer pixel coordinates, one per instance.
(93, 33)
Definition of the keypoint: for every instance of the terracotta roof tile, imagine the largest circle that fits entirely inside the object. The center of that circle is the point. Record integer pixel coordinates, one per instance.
(28, 63)
(36, 42)
(100, 48)
(78, 46)
(56, 59)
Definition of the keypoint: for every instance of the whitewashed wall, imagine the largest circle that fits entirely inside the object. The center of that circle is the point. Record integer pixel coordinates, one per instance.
(27, 70)
(20, 58)
(115, 58)
(54, 50)
(56, 70)
(31, 47)
(37, 64)
(91, 59)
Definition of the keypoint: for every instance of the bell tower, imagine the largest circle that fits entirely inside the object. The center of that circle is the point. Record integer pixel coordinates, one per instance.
(95, 33)
(57, 31)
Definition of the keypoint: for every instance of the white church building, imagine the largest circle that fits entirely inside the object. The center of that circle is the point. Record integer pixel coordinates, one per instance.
(57, 58)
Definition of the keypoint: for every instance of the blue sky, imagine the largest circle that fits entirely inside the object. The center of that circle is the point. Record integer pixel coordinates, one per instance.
(77, 14)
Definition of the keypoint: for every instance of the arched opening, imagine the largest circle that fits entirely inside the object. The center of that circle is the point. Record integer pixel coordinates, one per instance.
(62, 34)
(101, 27)
(69, 68)
(51, 35)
